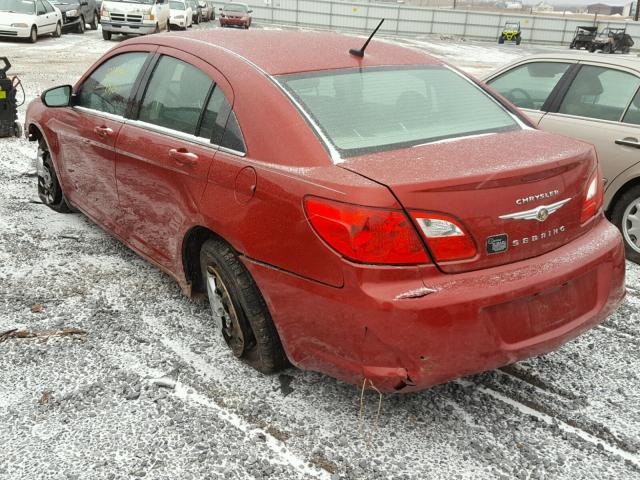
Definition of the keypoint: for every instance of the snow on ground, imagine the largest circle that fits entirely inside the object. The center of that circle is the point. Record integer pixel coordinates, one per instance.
(87, 407)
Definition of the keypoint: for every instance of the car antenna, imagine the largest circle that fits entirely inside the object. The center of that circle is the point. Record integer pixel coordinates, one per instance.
(360, 52)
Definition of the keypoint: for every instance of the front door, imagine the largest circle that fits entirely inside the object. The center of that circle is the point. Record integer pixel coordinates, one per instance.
(88, 132)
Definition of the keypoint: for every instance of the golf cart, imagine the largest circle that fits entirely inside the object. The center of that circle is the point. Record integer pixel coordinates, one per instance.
(510, 33)
(584, 37)
(612, 40)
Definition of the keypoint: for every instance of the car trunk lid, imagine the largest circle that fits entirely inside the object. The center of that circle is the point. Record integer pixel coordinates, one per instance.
(520, 190)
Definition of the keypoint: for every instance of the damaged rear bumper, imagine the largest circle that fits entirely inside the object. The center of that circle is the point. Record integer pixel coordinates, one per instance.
(408, 328)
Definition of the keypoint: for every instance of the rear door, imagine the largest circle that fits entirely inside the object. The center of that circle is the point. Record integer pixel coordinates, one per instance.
(531, 85)
(600, 107)
(164, 154)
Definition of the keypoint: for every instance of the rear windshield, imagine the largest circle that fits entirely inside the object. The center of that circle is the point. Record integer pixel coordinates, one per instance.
(377, 109)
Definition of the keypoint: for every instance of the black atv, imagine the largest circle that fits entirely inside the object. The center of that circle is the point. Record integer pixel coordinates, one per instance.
(584, 37)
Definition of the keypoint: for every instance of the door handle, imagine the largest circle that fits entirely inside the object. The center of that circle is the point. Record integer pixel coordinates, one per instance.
(103, 131)
(628, 142)
(183, 157)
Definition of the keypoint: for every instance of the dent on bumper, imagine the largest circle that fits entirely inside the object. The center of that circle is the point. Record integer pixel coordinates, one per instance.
(406, 329)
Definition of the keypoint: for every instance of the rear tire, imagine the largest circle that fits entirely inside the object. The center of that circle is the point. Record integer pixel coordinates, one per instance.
(234, 294)
(49, 188)
(628, 205)
(106, 35)
(94, 23)
(81, 27)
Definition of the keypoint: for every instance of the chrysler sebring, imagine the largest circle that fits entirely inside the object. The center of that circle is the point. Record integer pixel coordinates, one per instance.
(375, 216)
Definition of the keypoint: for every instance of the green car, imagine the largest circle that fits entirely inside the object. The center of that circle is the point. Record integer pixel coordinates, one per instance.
(511, 33)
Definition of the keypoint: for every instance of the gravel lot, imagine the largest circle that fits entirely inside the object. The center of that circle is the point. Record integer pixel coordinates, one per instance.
(88, 406)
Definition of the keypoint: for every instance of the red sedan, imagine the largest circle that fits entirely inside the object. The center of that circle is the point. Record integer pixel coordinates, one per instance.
(235, 15)
(380, 217)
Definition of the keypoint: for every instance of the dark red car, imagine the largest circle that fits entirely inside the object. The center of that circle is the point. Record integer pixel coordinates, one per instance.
(235, 15)
(381, 217)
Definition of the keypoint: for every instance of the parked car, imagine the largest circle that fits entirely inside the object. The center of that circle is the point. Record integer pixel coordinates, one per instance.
(212, 8)
(511, 33)
(77, 13)
(430, 233)
(235, 15)
(595, 99)
(181, 15)
(29, 19)
(196, 11)
(134, 17)
(205, 10)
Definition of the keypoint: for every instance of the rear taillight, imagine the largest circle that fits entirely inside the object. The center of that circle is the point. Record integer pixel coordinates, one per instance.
(366, 234)
(593, 198)
(446, 237)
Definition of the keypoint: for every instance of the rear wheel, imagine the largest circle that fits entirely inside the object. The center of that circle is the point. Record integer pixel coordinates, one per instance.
(106, 35)
(33, 35)
(94, 23)
(238, 308)
(49, 189)
(626, 216)
(80, 28)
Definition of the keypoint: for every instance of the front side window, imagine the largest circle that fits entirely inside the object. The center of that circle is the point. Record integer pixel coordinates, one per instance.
(41, 9)
(601, 93)
(529, 85)
(176, 96)
(383, 108)
(109, 87)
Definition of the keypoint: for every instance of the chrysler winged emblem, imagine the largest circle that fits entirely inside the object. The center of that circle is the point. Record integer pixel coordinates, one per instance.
(540, 213)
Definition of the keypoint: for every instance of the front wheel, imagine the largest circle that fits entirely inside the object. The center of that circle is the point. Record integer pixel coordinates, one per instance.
(49, 189)
(626, 216)
(238, 308)
(58, 31)
(33, 35)
(501, 40)
(106, 35)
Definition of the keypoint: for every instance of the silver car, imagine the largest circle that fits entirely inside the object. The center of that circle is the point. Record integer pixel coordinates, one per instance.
(595, 98)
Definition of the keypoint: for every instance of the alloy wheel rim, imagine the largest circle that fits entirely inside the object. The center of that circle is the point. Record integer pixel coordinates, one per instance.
(47, 187)
(631, 224)
(224, 313)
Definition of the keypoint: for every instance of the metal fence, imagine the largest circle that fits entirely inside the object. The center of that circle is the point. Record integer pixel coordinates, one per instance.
(406, 20)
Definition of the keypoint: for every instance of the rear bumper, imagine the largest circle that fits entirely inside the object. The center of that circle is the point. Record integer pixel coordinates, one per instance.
(471, 322)
(131, 28)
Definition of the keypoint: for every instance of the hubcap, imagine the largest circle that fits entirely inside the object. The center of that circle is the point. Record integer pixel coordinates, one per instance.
(631, 225)
(224, 313)
(45, 179)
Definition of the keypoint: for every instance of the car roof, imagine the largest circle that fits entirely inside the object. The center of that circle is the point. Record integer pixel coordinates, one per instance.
(281, 52)
(628, 61)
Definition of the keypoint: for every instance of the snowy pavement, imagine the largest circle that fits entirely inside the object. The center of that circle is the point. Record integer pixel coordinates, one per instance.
(86, 406)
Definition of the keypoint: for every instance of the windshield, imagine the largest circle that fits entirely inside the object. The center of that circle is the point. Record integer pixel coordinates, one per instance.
(177, 6)
(385, 108)
(512, 26)
(18, 6)
(145, 2)
(234, 7)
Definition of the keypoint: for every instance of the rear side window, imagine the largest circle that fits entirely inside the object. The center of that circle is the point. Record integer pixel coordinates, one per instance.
(109, 87)
(175, 96)
(601, 93)
(219, 123)
(633, 114)
(529, 85)
(375, 109)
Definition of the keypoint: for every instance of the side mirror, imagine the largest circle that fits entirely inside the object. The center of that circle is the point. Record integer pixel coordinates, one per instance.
(220, 9)
(57, 96)
(84, 3)
(249, 11)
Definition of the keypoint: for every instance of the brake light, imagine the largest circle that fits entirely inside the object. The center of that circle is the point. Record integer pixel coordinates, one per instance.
(593, 198)
(366, 234)
(446, 237)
